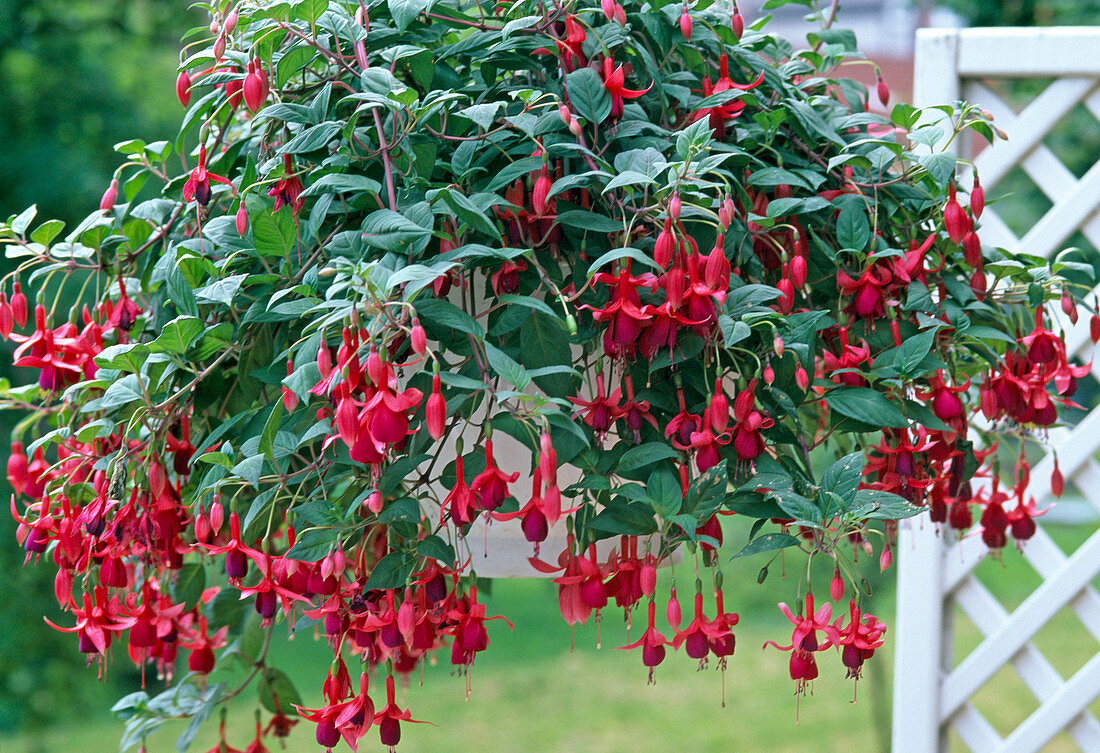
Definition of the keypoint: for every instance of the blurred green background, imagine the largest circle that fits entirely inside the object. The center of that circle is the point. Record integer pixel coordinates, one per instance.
(77, 76)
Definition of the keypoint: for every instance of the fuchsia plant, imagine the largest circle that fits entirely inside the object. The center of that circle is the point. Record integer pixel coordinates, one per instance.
(678, 262)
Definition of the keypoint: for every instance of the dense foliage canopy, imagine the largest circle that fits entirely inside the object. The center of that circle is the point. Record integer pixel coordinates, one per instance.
(663, 265)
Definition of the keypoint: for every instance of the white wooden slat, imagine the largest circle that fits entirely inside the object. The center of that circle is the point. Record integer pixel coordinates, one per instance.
(1037, 673)
(1055, 592)
(975, 730)
(1028, 129)
(995, 233)
(1087, 480)
(1027, 52)
(919, 654)
(1066, 216)
(1056, 712)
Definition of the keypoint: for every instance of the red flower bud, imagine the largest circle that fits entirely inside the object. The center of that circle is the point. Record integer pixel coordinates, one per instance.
(977, 198)
(769, 374)
(673, 611)
(564, 113)
(883, 92)
(541, 192)
(183, 88)
(685, 24)
(1069, 307)
(836, 587)
(255, 87)
(107, 202)
(418, 338)
(972, 249)
(18, 473)
(1057, 481)
(7, 319)
(18, 304)
(801, 378)
(219, 47)
(674, 206)
(798, 272)
(242, 220)
(435, 412)
(737, 23)
(230, 21)
(1094, 328)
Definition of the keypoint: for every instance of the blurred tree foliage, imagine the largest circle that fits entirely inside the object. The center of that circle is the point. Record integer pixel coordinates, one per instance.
(76, 77)
(1026, 12)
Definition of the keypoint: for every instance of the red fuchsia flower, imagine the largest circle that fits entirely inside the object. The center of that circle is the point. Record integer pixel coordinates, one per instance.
(896, 463)
(623, 312)
(698, 633)
(721, 115)
(390, 717)
(201, 645)
(236, 552)
(851, 357)
(683, 425)
(576, 600)
(287, 191)
(505, 280)
(52, 352)
(197, 187)
(652, 641)
(1021, 518)
(804, 642)
(634, 412)
(945, 401)
(614, 80)
(601, 412)
(461, 503)
(706, 443)
(491, 485)
(859, 639)
(571, 49)
(868, 292)
(468, 629)
(748, 424)
(97, 622)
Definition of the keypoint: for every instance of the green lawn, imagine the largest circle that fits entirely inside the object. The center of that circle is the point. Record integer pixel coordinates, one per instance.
(532, 693)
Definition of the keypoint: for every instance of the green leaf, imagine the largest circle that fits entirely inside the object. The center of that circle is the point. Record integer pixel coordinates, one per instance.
(188, 585)
(124, 391)
(180, 292)
(437, 549)
(843, 477)
(941, 166)
(872, 504)
(664, 493)
(271, 428)
(47, 231)
(391, 231)
(585, 220)
(624, 519)
(310, 10)
(644, 455)
(798, 507)
(276, 684)
(221, 291)
(767, 543)
(507, 367)
(404, 12)
(273, 232)
(178, 335)
(340, 183)
(853, 229)
(250, 469)
(621, 253)
(445, 314)
(545, 344)
(866, 405)
(392, 571)
(313, 544)
(130, 357)
(226, 608)
(483, 114)
(405, 509)
(588, 95)
(313, 138)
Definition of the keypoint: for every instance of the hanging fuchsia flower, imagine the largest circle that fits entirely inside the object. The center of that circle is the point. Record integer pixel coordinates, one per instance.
(491, 485)
(614, 80)
(197, 188)
(652, 641)
(287, 191)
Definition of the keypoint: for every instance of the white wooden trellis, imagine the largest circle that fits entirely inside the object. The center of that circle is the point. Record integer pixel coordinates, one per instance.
(931, 693)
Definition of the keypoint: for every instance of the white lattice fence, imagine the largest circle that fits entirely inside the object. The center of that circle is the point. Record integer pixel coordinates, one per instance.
(932, 694)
